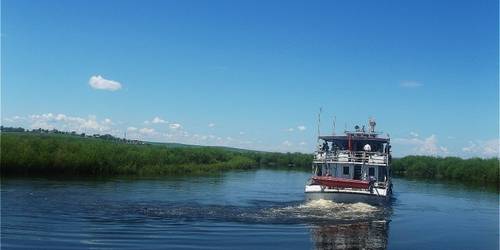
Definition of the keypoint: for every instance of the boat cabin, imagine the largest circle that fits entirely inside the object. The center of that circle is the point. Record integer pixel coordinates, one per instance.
(356, 155)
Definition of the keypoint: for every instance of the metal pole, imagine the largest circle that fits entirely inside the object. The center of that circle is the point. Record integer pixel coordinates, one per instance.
(319, 121)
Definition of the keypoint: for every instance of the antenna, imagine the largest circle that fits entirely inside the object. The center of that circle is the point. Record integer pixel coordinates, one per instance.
(319, 121)
(372, 124)
(334, 123)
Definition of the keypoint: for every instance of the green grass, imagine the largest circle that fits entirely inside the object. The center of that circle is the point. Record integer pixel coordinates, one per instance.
(448, 168)
(28, 153)
(56, 154)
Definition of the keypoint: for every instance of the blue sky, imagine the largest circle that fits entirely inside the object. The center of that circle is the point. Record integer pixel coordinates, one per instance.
(253, 74)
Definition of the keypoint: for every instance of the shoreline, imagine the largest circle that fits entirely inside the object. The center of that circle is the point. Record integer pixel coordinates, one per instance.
(33, 154)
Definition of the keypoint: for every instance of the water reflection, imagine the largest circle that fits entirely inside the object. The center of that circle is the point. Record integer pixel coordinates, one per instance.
(359, 235)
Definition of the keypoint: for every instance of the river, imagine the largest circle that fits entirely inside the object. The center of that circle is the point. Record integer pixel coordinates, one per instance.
(259, 209)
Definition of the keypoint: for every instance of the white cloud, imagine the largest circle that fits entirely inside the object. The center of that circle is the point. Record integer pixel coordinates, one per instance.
(410, 84)
(174, 126)
(132, 129)
(98, 82)
(147, 131)
(489, 148)
(70, 123)
(298, 128)
(211, 125)
(414, 134)
(302, 143)
(426, 146)
(108, 121)
(13, 119)
(175, 132)
(158, 120)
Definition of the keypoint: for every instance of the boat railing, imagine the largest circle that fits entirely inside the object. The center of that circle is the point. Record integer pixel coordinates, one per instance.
(346, 156)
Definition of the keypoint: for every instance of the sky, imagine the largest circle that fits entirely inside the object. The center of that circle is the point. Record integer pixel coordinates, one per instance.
(254, 74)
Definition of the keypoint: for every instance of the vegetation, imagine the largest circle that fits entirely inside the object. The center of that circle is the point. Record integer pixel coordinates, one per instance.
(46, 153)
(54, 152)
(450, 168)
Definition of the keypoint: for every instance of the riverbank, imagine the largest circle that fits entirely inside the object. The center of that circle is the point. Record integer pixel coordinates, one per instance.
(54, 154)
(473, 170)
(29, 153)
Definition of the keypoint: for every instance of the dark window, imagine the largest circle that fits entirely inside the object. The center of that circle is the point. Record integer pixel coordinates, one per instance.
(371, 171)
(381, 173)
(346, 170)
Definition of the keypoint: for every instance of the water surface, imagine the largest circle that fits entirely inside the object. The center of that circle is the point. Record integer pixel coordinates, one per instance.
(260, 209)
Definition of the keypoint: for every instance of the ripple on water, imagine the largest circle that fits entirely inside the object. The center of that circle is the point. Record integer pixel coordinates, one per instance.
(317, 211)
(327, 211)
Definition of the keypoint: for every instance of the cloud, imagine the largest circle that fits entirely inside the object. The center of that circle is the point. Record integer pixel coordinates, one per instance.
(147, 131)
(487, 148)
(158, 120)
(174, 126)
(70, 123)
(132, 129)
(414, 134)
(410, 84)
(426, 146)
(13, 119)
(107, 121)
(173, 132)
(98, 82)
(298, 128)
(211, 125)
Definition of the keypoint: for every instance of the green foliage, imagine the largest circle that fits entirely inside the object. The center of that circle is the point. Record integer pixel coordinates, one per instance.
(451, 168)
(35, 153)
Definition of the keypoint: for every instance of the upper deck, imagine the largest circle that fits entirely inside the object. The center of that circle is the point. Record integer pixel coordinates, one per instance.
(355, 147)
(352, 157)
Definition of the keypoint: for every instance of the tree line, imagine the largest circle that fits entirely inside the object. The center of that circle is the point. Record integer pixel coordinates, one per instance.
(48, 153)
(31, 154)
(451, 168)
(72, 133)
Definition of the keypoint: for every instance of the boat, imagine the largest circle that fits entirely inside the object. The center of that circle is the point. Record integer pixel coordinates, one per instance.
(352, 167)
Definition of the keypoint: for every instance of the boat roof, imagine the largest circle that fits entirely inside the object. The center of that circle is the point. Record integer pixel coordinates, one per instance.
(355, 137)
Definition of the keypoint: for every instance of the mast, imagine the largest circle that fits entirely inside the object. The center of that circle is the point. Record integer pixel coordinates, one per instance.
(319, 121)
(334, 123)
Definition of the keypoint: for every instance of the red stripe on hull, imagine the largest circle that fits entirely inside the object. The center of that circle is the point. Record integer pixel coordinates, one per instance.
(333, 182)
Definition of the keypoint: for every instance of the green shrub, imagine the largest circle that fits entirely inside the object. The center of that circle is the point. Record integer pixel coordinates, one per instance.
(35, 153)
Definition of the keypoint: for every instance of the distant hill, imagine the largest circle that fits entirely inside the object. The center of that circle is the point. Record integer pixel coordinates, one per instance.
(181, 145)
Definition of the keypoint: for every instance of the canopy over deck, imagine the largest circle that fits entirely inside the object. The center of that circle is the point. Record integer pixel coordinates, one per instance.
(354, 137)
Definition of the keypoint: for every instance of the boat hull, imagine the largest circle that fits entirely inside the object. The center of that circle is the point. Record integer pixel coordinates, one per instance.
(377, 197)
(333, 182)
(348, 197)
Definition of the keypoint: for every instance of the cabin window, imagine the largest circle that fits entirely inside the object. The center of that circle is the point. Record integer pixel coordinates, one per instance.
(346, 171)
(371, 171)
(318, 170)
(382, 173)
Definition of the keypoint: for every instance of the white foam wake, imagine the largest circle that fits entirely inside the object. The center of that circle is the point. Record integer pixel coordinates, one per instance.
(327, 209)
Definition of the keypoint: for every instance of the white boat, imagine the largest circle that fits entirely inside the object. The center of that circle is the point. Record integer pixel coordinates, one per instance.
(353, 167)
